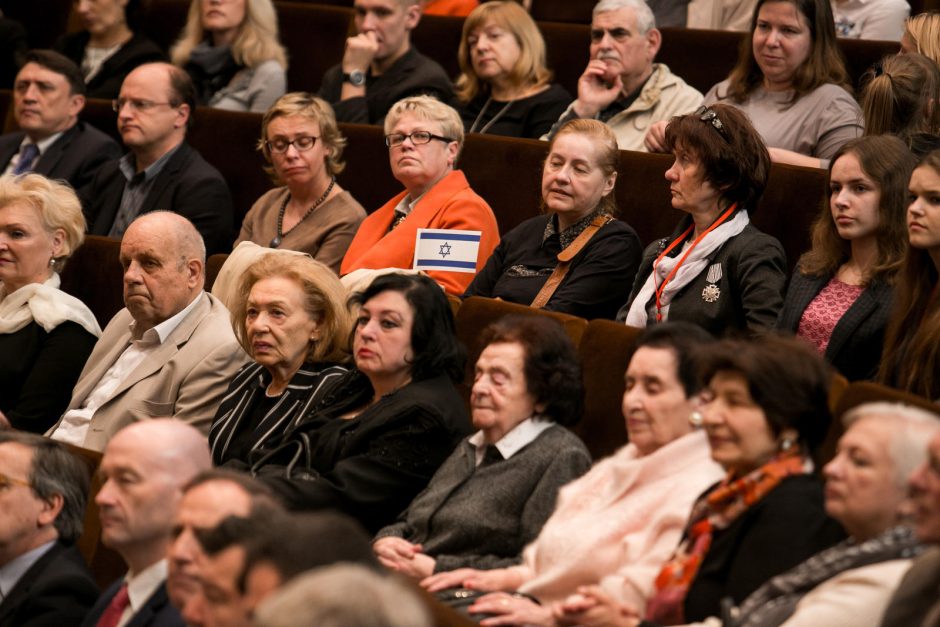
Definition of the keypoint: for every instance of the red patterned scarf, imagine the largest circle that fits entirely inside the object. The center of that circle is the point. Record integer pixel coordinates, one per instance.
(714, 511)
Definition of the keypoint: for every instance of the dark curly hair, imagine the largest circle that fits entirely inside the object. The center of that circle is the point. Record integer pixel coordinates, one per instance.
(684, 339)
(433, 333)
(552, 370)
(786, 378)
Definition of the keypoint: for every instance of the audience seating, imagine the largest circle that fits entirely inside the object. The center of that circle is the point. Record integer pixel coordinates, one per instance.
(45, 20)
(605, 351)
(94, 275)
(105, 564)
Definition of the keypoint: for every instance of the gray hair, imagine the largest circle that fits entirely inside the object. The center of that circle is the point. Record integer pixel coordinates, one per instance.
(56, 471)
(645, 21)
(343, 595)
(912, 429)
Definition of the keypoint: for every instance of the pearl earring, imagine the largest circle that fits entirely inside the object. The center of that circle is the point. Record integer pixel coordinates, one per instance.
(696, 419)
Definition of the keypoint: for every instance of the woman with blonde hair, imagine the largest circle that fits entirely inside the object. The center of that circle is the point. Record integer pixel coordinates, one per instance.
(233, 54)
(290, 315)
(922, 35)
(309, 212)
(46, 335)
(505, 87)
(899, 98)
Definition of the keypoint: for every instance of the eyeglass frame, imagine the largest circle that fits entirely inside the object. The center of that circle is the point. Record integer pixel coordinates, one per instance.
(710, 116)
(6, 481)
(139, 104)
(274, 151)
(404, 136)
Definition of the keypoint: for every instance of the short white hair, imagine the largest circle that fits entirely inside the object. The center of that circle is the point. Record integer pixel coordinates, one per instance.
(911, 429)
(645, 20)
(343, 595)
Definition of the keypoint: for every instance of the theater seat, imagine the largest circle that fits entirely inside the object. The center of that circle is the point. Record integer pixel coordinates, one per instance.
(94, 276)
(477, 312)
(605, 351)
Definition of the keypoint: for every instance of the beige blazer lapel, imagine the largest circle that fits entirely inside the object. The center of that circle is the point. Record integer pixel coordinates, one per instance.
(165, 352)
(114, 340)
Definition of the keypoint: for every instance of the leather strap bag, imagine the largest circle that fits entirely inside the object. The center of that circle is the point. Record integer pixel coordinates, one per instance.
(564, 260)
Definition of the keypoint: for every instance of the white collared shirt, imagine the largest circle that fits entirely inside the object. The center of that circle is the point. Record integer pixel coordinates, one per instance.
(42, 145)
(74, 425)
(13, 571)
(141, 587)
(514, 441)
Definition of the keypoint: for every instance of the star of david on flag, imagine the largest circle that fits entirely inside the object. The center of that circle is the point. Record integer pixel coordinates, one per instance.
(446, 249)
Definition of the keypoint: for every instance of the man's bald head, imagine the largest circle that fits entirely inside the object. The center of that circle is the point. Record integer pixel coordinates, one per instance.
(164, 260)
(145, 467)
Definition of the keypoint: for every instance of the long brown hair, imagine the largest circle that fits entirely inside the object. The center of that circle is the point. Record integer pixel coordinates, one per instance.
(912, 339)
(886, 161)
(825, 63)
(899, 96)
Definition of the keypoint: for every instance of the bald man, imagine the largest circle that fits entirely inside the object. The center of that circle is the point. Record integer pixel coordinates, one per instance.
(144, 469)
(160, 170)
(170, 353)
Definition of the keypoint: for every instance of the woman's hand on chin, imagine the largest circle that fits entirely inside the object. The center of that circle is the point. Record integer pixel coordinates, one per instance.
(592, 607)
(509, 609)
(473, 579)
(403, 557)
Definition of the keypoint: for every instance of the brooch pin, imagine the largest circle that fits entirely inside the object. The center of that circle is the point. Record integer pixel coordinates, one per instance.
(711, 292)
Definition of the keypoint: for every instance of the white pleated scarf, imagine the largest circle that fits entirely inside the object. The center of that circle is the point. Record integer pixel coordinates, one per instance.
(694, 265)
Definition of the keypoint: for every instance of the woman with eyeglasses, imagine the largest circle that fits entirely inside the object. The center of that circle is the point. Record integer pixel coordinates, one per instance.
(310, 212)
(233, 54)
(424, 137)
(716, 269)
(790, 80)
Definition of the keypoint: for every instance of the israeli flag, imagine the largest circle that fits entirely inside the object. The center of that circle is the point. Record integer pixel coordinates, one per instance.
(445, 249)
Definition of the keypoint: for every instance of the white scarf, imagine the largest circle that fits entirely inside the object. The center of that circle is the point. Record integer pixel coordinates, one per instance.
(694, 264)
(47, 305)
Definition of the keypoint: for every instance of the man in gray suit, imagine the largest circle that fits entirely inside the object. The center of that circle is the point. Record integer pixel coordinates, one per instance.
(48, 95)
(170, 352)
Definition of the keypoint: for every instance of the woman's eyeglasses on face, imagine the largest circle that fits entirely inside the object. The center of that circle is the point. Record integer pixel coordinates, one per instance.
(417, 138)
(301, 144)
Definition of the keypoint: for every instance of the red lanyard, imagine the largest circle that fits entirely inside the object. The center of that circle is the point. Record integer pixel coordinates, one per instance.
(676, 242)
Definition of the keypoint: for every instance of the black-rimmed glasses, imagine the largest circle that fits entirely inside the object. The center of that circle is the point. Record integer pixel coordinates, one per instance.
(417, 138)
(709, 116)
(300, 144)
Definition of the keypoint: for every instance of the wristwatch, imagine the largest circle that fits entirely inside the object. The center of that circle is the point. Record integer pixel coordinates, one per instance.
(356, 78)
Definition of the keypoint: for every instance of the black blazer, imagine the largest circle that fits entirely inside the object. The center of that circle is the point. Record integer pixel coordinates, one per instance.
(187, 184)
(156, 612)
(107, 82)
(855, 346)
(75, 157)
(57, 590)
(750, 290)
(775, 534)
(370, 467)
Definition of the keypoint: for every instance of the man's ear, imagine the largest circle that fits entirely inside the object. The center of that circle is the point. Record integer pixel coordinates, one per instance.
(654, 39)
(51, 508)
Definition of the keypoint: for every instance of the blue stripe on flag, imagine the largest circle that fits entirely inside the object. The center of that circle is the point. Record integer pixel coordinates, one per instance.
(446, 264)
(458, 237)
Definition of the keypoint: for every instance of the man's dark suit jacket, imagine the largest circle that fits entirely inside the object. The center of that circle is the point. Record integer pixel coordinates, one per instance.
(107, 82)
(187, 184)
(156, 612)
(74, 157)
(57, 590)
